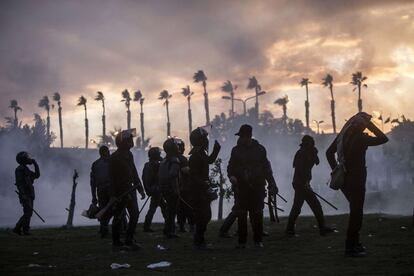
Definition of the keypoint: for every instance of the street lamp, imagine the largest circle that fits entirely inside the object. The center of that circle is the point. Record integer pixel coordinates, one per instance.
(244, 101)
(317, 124)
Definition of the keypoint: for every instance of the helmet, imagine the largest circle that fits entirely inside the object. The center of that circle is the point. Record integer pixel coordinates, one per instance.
(124, 139)
(198, 137)
(308, 140)
(181, 145)
(104, 151)
(154, 153)
(23, 158)
(170, 147)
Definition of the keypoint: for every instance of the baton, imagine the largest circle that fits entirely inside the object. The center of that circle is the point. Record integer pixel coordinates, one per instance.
(188, 205)
(281, 210)
(145, 203)
(276, 215)
(282, 198)
(327, 202)
(34, 211)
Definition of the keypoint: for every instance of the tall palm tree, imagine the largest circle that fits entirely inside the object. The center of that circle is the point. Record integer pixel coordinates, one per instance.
(229, 88)
(283, 103)
(165, 96)
(254, 84)
(15, 106)
(100, 97)
(82, 102)
(56, 98)
(44, 103)
(305, 82)
(199, 76)
(138, 98)
(328, 82)
(358, 81)
(127, 99)
(188, 93)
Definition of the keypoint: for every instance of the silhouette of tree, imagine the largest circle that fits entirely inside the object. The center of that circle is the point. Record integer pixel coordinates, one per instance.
(254, 84)
(44, 103)
(56, 98)
(229, 88)
(127, 99)
(139, 98)
(358, 81)
(82, 102)
(199, 76)
(305, 82)
(188, 93)
(165, 96)
(15, 106)
(283, 103)
(101, 98)
(328, 82)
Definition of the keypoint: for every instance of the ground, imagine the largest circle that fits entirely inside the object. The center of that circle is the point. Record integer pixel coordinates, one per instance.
(79, 251)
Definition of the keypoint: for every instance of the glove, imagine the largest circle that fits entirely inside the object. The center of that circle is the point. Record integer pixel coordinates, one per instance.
(142, 193)
(273, 189)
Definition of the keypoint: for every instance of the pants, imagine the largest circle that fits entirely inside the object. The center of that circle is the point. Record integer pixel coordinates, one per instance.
(354, 191)
(303, 194)
(24, 221)
(229, 221)
(184, 212)
(156, 201)
(103, 199)
(172, 203)
(202, 216)
(250, 201)
(131, 204)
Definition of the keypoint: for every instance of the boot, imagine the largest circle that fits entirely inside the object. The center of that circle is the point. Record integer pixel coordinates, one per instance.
(354, 249)
(132, 245)
(323, 231)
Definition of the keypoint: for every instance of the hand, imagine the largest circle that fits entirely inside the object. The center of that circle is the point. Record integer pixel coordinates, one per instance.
(217, 146)
(273, 189)
(31, 161)
(233, 180)
(142, 194)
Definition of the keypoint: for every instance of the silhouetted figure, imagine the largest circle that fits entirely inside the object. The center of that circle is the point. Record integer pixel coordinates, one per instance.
(228, 223)
(100, 184)
(184, 212)
(24, 183)
(123, 176)
(248, 171)
(351, 145)
(306, 157)
(152, 187)
(201, 191)
(168, 175)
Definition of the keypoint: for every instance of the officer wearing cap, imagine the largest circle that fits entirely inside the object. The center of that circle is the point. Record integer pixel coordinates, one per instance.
(249, 170)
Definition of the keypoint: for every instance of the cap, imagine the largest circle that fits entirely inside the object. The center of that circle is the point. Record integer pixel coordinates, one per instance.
(245, 130)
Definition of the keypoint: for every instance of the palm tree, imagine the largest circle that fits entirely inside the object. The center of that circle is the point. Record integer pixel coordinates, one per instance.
(254, 84)
(164, 95)
(305, 82)
(138, 98)
(127, 99)
(357, 81)
(188, 93)
(229, 88)
(199, 76)
(283, 103)
(100, 97)
(15, 106)
(44, 103)
(56, 98)
(328, 82)
(82, 102)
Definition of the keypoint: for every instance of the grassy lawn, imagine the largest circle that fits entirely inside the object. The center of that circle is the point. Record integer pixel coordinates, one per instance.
(79, 251)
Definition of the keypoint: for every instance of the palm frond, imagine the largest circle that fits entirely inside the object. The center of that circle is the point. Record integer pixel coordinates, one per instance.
(227, 87)
(56, 97)
(253, 83)
(199, 76)
(137, 96)
(99, 96)
(82, 101)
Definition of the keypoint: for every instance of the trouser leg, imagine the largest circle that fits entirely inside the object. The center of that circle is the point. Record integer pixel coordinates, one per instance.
(133, 211)
(154, 203)
(172, 201)
(256, 207)
(117, 221)
(24, 221)
(202, 218)
(296, 209)
(228, 222)
(316, 208)
(103, 199)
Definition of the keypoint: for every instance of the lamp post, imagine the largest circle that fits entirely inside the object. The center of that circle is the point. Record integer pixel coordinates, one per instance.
(244, 101)
(317, 124)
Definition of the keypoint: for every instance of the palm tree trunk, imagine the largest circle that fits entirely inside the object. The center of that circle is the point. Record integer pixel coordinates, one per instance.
(168, 120)
(142, 127)
(190, 117)
(232, 104)
(86, 129)
(16, 122)
(103, 122)
(359, 99)
(285, 116)
(60, 126)
(256, 105)
(128, 119)
(333, 110)
(307, 107)
(48, 128)
(206, 106)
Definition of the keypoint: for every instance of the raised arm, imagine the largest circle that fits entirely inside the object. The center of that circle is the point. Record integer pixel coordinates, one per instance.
(379, 139)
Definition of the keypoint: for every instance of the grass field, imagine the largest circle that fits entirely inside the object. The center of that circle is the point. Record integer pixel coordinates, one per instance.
(79, 251)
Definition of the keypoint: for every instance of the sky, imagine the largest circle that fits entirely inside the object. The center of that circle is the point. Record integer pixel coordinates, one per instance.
(81, 47)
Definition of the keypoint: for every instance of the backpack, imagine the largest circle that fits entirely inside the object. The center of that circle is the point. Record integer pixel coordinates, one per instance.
(167, 176)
